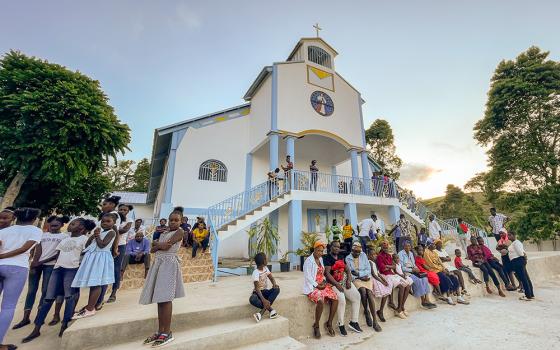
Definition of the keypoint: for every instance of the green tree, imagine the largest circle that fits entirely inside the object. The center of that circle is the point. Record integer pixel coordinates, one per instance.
(126, 175)
(457, 204)
(141, 176)
(521, 125)
(56, 127)
(381, 146)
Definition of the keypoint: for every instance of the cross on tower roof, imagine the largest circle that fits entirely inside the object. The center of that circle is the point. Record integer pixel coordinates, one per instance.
(317, 28)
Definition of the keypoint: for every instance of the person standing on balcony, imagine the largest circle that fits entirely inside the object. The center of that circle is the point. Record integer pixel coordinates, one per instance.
(314, 173)
(497, 222)
(288, 171)
(433, 228)
(272, 183)
(364, 228)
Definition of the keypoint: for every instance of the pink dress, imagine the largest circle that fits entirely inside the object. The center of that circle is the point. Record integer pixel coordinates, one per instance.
(320, 295)
(379, 289)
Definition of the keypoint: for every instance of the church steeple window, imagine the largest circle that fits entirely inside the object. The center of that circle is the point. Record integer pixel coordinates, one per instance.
(318, 55)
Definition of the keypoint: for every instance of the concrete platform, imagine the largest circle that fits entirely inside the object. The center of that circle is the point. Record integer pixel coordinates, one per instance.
(212, 307)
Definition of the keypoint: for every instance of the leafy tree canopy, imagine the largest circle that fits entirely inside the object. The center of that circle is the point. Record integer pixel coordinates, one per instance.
(458, 204)
(380, 142)
(57, 130)
(127, 175)
(521, 125)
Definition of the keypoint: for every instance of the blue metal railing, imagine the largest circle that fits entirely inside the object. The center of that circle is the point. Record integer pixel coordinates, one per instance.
(214, 244)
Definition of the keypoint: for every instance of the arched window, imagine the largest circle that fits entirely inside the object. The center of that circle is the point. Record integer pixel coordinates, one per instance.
(319, 56)
(212, 170)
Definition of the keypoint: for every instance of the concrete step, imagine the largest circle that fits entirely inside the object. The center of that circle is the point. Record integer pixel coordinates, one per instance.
(285, 343)
(228, 335)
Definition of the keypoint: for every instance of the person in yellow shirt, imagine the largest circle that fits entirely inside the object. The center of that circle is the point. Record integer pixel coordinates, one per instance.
(449, 284)
(201, 238)
(347, 235)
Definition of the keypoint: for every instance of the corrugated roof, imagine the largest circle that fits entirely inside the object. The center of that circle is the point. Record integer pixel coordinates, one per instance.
(131, 197)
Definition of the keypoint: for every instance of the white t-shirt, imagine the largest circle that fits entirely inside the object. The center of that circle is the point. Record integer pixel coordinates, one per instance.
(123, 238)
(516, 250)
(261, 277)
(49, 242)
(448, 264)
(70, 250)
(14, 237)
(365, 226)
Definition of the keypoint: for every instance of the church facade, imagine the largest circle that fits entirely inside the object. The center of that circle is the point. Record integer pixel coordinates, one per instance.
(216, 165)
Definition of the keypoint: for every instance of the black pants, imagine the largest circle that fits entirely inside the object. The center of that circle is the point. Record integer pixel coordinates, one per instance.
(131, 259)
(519, 265)
(203, 244)
(498, 267)
(488, 273)
(348, 244)
(268, 294)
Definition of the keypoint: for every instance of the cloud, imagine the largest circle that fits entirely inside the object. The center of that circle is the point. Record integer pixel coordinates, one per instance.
(414, 172)
(185, 15)
(444, 146)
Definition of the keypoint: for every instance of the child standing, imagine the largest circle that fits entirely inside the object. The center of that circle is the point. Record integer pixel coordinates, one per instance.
(65, 269)
(263, 297)
(98, 267)
(462, 267)
(15, 243)
(422, 237)
(164, 281)
(44, 257)
(382, 288)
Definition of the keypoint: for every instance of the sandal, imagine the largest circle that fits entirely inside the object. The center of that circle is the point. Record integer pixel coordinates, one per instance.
(152, 338)
(329, 329)
(316, 332)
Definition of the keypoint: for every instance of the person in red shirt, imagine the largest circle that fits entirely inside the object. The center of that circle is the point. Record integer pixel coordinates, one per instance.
(462, 267)
(478, 258)
(433, 278)
(495, 263)
(386, 267)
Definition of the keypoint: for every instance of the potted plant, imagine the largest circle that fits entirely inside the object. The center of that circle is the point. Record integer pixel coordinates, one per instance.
(284, 261)
(307, 240)
(264, 238)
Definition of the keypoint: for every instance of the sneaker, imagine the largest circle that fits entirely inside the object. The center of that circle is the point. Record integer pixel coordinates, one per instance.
(342, 330)
(450, 301)
(162, 340)
(355, 327)
(432, 306)
(83, 314)
(273, 314)
(462, 300)
(524, 298)
(112, 299)
(152, 338)
(257, 316)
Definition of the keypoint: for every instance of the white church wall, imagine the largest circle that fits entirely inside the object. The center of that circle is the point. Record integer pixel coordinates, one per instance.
(283, 229)
(295, 113)
(259, 118)
(226, 142)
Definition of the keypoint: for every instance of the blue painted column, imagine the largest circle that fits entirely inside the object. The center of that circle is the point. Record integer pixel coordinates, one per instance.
(167, 205)
(294, 229)
(354, 165)
(273, 217)
(365, 173)
(351, 212)
(273, 150)
(394, 214)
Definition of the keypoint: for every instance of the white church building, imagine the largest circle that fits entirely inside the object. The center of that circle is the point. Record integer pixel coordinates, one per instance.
(216, 165)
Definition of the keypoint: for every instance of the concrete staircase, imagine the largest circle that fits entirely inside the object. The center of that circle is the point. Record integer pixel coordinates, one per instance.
(253, 216)
(240, 334)
(199, 269)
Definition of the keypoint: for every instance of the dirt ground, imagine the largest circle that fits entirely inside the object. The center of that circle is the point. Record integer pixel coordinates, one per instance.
(488, 323)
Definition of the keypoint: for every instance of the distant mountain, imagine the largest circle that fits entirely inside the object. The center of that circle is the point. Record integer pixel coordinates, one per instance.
(478, 198)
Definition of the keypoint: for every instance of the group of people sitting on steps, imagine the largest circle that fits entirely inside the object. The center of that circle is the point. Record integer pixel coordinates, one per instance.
(335, 276)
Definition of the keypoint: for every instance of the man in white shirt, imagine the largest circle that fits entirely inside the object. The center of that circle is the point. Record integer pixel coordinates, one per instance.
(380, 224)
(496, 221)
(434, 229)
(364, 227)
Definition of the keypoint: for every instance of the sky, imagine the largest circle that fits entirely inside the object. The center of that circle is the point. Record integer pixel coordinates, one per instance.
(424, 66)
